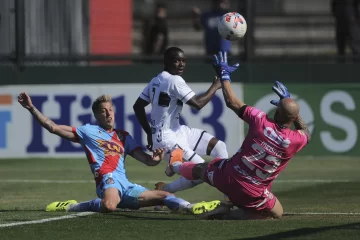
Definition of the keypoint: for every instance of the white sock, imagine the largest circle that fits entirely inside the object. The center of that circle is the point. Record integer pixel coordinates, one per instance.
(191, 156)
(181, 184)
(189, 206)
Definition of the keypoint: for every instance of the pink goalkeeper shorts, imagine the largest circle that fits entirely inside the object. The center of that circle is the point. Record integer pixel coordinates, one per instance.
(241, 193)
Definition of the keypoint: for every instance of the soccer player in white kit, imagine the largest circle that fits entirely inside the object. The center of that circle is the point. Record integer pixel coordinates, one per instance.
(167, 92)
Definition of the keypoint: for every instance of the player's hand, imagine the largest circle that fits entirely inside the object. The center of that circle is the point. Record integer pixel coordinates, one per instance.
(158, 154)
(281, 90)
(217, 82)
(150, 142)
(222, 68)
(25, 100)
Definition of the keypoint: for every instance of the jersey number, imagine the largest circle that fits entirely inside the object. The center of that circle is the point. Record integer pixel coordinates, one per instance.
(163, 99)
(261, 154)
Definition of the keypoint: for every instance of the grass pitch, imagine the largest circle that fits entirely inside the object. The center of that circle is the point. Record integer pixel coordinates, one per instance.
(320, 196)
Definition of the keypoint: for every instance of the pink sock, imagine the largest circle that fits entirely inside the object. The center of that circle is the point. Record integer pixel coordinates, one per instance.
(186, 170)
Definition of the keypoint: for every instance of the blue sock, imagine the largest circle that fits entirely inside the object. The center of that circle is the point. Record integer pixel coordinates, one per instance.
(89, 206)
(174, 203)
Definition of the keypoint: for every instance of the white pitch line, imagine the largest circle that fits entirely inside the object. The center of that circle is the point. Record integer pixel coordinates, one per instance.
(153, 181)
(46, 220)
(150, 211)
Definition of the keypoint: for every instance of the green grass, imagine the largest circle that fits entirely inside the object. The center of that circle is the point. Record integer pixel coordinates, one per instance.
(319, 185)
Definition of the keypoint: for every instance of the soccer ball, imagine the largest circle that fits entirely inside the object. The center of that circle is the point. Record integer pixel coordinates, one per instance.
(232, 26)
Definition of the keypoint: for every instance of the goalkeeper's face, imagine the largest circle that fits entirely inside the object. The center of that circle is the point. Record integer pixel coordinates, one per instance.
(175, 64)
(105, 116)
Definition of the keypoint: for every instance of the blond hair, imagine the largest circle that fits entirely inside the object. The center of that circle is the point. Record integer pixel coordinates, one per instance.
(100, 100)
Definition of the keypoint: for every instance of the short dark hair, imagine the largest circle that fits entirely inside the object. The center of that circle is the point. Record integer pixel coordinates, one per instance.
(170, 52)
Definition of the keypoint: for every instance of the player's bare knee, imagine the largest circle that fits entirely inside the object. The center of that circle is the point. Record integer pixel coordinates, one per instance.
(108, 205)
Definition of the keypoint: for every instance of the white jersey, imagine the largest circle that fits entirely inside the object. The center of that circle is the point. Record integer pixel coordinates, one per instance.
(166, 93)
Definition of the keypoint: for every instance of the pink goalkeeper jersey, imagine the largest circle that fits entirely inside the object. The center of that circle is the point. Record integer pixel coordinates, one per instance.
(266, 149)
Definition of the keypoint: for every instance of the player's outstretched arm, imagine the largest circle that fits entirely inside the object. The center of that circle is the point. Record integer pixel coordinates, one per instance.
(139, 109)
(224, 71)
(301, 125)
(231, 100)
(200, 101)
(155, 159)
(60, 130)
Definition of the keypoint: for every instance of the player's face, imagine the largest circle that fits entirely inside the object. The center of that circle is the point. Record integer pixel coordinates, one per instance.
(105, 115)
(176, 65)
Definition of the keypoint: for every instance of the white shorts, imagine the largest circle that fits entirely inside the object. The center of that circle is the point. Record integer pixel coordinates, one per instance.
(186, 138)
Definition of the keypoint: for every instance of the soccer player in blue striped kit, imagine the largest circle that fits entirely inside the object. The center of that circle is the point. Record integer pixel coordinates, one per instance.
(106, 149)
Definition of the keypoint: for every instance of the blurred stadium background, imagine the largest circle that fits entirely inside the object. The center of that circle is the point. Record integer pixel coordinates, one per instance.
(48, 30)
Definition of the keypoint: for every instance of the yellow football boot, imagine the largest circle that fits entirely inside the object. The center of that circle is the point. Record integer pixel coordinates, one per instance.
(59, 206)
(204, 207)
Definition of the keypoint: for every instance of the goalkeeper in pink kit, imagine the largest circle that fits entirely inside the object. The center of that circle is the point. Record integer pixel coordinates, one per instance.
(247, 177)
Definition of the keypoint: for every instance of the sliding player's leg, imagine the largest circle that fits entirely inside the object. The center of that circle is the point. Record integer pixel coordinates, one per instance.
(211, 173)
(107, 204)
(199, 143)
(194, 142)
(203, 143)
(182, 184)
(152, 198)
(180, 141)
(108, 190)
(155, 197)
(188, 170)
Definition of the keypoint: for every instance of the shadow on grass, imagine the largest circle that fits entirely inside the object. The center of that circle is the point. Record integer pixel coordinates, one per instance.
(305, 231)
(144, 215)
(133, 217)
